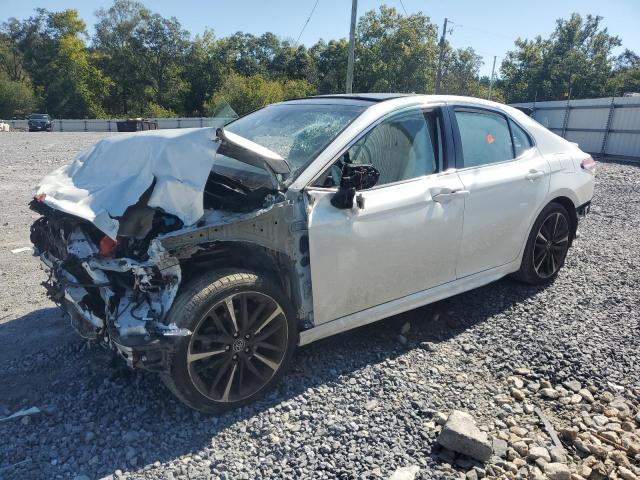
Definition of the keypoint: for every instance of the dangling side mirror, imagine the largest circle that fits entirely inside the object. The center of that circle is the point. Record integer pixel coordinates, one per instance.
(354, 177)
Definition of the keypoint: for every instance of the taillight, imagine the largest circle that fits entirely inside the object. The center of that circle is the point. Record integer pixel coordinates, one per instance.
(588, 164)
(107, 246)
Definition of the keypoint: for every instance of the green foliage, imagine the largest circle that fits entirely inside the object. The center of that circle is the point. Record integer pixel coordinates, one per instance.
(247, 93)
(76, 87)
(626, 74)
(460, 72)
(11, 59)
(331, 64)
(575, 60)
(153, 110)
(395, 52)
(140, 63)
(296, 89)
(48, 50)
(203, 72)
(16, 98)
(119, 43)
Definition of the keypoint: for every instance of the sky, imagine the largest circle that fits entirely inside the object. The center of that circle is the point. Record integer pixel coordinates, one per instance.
(489, 26)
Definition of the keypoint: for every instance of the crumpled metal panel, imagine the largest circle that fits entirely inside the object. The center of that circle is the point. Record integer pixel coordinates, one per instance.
(107, 178)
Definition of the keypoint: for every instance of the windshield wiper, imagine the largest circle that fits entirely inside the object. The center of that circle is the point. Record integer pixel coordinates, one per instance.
(246, 151)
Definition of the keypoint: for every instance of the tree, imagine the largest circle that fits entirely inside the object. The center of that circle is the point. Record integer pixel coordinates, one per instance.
(141, 63)
(16, 98)
(203, 72)
(395, 53)
(245, 94)
(626, 74)
(12, 59)
(331, 64)
(575, 60)
(121, 54)
(48, 51)
(460, 72)
(292, 62)
(164, 43)
(76, 87)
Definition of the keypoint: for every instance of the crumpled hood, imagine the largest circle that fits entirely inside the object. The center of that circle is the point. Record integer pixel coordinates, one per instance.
(113, 174)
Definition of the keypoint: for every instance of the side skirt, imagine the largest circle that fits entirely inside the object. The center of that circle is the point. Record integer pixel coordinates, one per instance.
(404, 304)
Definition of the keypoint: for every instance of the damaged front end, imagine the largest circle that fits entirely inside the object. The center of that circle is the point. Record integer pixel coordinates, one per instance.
(131, 219)
(117, 293)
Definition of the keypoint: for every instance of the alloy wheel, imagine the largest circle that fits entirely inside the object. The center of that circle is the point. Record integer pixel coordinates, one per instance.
(237, 346)
(551, 245)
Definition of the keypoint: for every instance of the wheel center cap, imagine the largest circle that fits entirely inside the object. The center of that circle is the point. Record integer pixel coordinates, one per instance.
(238, 345)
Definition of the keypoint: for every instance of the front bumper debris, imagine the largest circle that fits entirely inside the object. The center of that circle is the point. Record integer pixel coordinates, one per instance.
(120, 302)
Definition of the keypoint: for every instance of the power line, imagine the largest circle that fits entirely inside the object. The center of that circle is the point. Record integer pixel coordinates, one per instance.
(307, 22)
(405, 10)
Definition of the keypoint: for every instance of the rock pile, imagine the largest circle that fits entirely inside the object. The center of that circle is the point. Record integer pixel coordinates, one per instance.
(565, 432)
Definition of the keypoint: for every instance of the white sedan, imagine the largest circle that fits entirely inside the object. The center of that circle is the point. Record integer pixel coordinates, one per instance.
(208, 255)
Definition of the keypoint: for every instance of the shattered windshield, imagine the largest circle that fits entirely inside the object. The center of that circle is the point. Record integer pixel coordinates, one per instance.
(298, 132)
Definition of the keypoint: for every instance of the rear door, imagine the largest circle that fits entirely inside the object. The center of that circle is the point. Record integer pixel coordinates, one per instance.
(507, 179)
(404, 233)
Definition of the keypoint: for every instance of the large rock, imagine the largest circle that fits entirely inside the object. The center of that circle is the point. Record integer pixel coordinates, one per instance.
(557, 471)
(405, 473)
(461, 435)
(538, 452)
(500, 448)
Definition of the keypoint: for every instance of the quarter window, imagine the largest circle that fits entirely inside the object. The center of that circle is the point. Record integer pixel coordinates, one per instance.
(485, 137)
(521, 141)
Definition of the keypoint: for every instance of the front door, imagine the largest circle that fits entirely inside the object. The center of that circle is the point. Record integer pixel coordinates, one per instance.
(507, 180)
(403, 235)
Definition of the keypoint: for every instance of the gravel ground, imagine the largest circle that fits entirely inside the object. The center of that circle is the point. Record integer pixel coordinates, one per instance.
(360, 405)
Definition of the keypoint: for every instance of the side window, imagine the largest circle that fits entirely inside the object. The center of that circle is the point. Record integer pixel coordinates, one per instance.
(485, 137)
(521, 141)
(404, 146)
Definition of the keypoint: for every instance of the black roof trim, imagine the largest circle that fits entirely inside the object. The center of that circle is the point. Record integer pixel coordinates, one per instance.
(369, 97)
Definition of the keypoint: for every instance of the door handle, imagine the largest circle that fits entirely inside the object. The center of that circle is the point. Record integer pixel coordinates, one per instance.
(446, 194)
(534, 175)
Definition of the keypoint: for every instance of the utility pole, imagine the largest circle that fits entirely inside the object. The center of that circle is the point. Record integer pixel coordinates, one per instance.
(441, 57)
(352, 45)
(493, 69)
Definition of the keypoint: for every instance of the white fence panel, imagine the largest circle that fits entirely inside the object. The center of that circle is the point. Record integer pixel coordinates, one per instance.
(110, 124)
(601, 126)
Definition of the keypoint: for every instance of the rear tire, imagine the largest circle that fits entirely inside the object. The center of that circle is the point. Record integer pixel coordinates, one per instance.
(547, 246)
(244, 336)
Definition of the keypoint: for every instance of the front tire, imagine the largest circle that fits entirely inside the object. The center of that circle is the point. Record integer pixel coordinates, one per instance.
(244, 336)
(547, 246)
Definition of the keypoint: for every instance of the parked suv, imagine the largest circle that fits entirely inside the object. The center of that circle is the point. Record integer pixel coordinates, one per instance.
(208, 255)
(40, 121)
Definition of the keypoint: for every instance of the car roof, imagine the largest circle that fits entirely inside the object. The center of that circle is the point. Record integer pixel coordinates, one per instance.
(360, 99)
(388, 102)
(369, 97)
